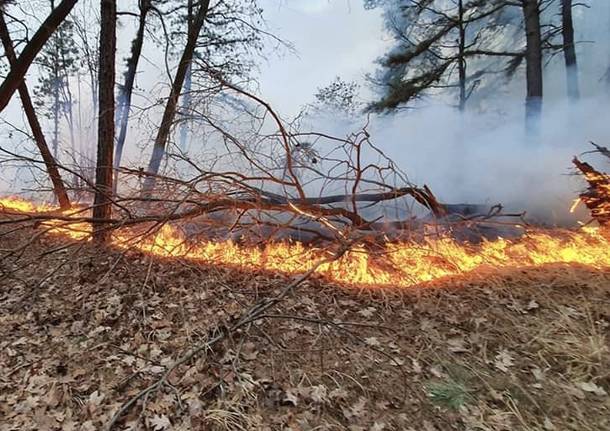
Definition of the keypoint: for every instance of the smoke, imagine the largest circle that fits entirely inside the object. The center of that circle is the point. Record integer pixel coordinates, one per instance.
(485, 157)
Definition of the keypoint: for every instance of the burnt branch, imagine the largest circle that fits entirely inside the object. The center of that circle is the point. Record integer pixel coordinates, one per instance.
(597, 196)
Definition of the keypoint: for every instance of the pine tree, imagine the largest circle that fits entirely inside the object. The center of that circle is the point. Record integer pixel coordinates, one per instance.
(57, 63)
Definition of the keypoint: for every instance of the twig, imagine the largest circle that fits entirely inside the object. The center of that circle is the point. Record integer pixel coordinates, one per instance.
(220, 333)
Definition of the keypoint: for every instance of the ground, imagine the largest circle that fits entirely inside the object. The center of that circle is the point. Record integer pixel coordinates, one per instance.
(83, 330)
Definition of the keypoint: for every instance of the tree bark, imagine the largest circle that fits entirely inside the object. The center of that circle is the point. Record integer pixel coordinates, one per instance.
(126, 90)
(55, 72)
(533, 57)
(461, 54)
(188, 84)
(172, 102)
(102, 209)
(569, 50)
(21, 65)
(58, 186)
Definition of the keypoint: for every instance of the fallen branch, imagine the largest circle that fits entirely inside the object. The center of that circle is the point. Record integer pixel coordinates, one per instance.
(256, 312)
(597, 196)
(599, 149)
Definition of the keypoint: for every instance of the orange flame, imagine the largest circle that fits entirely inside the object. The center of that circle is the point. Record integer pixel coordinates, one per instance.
(398, 265)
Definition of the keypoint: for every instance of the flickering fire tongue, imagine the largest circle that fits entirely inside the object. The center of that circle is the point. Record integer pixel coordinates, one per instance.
(396, 264)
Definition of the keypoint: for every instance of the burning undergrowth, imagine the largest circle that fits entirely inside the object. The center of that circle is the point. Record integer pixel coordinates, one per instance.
(434, 254)
(500, 350)
(277, 204)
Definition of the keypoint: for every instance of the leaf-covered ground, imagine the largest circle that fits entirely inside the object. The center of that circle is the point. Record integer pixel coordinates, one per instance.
(82, 331)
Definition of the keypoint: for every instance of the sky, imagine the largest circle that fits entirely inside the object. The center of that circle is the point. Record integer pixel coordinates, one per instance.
(331, 38)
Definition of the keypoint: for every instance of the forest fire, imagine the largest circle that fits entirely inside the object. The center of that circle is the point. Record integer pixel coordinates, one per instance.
(253, 214)
(398, 264)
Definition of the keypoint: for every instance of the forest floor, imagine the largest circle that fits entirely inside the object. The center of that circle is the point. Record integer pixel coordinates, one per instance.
(82, 331)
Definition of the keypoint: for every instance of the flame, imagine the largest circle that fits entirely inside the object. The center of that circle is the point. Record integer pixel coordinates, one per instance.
(398, 264)
(15, 204)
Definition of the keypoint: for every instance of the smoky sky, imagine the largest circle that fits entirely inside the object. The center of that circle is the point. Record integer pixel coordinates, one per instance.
(331, 38)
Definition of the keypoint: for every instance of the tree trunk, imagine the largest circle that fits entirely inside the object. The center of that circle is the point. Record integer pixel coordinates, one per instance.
(462, 58)
(58, 186)
(102, 209)
(127, 88)
(569, 50)
(186, 104)
(188, 85)
(172, 102)
(533, 57)
(55, 113)
(55, 71)
(21, 65)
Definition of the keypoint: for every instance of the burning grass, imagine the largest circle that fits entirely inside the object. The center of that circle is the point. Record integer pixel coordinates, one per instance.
(394, 264)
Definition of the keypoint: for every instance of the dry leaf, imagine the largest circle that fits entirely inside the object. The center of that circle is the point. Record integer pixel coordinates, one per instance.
(356, 410)
(372, 341)
(592, 388)
(160, 422)
(289, 398)
(95, 399)
(457, 345)
(248, 351)
(318, 394)
(367, 312)
(503, 361)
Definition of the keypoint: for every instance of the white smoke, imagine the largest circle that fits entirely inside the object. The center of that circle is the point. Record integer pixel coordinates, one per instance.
(486, 158)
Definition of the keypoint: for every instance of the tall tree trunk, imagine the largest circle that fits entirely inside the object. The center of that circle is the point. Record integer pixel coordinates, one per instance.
(21, 65)
(126, 90)
(533, 57)
(569, 50)
(55, 113)
(172, 102)
(58, 186)
(462, 58)
(102, 209)
(186, 104)
(188, 85)
(55, 71)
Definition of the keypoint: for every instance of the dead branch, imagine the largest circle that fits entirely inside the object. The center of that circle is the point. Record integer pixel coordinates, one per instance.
(597, 195)
(220, 333)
